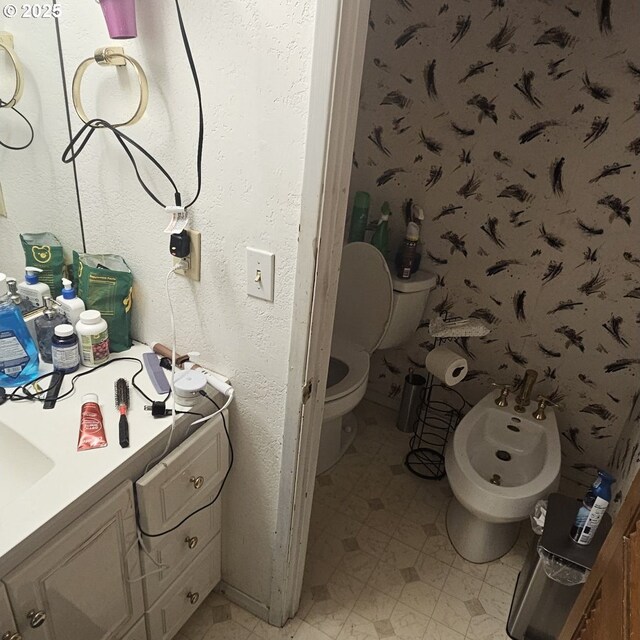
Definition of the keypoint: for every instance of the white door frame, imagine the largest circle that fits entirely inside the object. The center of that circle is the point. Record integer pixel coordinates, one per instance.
(338, 59)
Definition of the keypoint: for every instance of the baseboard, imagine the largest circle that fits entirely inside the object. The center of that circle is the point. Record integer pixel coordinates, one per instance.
(245, 601)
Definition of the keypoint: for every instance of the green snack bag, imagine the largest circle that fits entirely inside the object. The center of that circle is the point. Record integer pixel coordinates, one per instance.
(44, 250)
(105, 283)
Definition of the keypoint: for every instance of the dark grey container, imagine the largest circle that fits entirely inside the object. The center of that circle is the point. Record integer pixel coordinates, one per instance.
(411, 401)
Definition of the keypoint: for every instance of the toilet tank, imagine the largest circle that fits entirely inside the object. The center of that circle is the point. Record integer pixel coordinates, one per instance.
(409, 300)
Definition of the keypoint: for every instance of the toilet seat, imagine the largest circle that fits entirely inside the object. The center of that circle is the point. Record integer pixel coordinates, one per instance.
(357, 362)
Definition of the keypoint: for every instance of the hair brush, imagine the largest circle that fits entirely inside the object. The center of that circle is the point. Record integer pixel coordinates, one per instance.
(122, 404)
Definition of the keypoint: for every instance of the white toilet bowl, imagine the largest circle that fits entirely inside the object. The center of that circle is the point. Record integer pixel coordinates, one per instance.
(373, 310)
(499, 463)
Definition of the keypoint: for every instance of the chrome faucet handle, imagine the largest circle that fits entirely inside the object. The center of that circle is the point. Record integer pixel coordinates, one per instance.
(543, 403)
(505, 389)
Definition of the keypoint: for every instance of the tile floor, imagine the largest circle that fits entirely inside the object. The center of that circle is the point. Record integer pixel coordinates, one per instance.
(379, 563)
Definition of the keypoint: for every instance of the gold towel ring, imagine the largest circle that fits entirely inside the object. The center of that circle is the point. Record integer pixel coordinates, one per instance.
(6, 43)
(113, 56)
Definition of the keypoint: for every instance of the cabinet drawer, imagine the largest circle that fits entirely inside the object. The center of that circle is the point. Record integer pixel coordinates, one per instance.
(183, 480)
(176, 550)
(139, 631)
(80, 583)
(7, 623)
(186, 594)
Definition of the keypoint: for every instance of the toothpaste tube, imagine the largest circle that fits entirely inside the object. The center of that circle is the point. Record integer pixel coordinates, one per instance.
(92, 435)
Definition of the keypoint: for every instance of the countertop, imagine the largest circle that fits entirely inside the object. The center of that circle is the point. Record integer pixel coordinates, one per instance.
(55, 433)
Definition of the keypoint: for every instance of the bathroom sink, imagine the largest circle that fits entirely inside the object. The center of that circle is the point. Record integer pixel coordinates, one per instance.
(21, 465)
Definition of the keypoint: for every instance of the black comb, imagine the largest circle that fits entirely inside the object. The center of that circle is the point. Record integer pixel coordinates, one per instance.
(122, 404)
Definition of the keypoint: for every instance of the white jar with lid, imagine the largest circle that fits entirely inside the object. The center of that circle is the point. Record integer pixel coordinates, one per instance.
(93, 334)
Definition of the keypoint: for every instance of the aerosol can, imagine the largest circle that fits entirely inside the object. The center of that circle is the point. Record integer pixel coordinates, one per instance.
(593, 508)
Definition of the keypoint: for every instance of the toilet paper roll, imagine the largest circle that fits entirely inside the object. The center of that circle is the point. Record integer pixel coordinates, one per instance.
(446, 365)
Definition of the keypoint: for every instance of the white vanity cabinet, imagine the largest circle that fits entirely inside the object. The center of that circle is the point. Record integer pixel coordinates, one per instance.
(81, 585)
(8, 628)
(88, 579)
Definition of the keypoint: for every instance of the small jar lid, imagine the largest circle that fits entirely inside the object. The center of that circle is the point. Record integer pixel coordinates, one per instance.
(90, 317)
(63, 330)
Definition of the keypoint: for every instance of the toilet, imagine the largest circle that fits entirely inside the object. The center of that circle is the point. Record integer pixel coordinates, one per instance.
(499, 463)
(374, 310)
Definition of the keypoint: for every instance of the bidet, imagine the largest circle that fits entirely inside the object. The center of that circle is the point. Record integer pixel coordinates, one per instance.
(499, 463)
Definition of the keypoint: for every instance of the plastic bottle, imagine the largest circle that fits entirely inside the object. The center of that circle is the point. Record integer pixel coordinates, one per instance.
(359, 216)
(45, 326)
(408, 252)
(593, 509)
(32, 290)
(64, 349)
(19, 361)
(93, 334)
(71, 305)
(380, 239)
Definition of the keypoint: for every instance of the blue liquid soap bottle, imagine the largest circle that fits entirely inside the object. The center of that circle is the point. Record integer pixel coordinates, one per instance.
(593, 508)
(19, 361)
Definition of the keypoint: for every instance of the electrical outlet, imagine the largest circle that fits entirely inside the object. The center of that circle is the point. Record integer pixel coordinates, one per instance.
(193, 259)
(3, 208)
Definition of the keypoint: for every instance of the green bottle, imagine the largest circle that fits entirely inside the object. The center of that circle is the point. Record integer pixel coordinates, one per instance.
(359, 216)
(380, 239)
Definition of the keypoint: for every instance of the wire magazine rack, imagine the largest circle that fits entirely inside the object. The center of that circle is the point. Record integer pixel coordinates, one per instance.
(438, 417)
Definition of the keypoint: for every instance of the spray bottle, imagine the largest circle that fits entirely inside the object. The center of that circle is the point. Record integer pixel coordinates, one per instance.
(380, 239)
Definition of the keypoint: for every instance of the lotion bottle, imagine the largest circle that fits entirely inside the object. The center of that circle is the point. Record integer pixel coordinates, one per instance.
(33, 291)
(71, 305)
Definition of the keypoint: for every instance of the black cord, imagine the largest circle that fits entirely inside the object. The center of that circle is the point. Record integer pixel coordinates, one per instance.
(70, 154)
(196, 82)
(12, 148)
(28, 395)
(89, 128)
(215, 498)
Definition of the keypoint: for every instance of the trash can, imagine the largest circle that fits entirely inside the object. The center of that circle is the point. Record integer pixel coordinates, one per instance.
(542, 603)
(410, 402)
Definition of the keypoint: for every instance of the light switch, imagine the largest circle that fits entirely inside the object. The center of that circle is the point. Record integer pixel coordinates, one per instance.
(260, 273)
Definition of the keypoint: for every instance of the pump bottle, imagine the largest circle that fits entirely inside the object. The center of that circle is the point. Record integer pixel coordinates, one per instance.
(33, 291)
(70, 304)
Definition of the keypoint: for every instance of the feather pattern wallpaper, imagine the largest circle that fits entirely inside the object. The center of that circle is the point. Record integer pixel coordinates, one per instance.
(516, 126)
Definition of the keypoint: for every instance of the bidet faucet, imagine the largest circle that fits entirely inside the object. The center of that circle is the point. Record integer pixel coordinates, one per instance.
(524, 397)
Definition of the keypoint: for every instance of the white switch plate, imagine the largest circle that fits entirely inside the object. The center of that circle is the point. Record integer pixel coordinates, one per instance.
(260, 273)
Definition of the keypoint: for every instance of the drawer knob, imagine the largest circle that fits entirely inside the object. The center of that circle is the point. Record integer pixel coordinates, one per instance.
(192, 542)
(193, 597)
(197, 481)
(11, 636)
(36, 618)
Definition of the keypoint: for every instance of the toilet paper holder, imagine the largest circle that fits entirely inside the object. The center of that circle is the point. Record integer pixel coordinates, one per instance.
(440, 411)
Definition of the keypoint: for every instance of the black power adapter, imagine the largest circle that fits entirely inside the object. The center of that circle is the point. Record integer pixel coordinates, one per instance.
(180, 244)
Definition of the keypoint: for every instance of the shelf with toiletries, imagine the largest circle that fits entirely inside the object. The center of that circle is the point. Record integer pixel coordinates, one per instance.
(61, 484)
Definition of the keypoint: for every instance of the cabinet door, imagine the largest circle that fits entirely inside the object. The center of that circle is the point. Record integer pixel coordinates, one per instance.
(7, 624)
(79, 585)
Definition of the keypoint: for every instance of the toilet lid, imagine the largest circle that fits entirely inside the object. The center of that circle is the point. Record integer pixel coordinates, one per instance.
(365, 297)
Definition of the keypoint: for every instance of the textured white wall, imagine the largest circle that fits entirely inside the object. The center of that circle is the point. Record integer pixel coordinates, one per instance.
(39, 191)
(254, 64)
